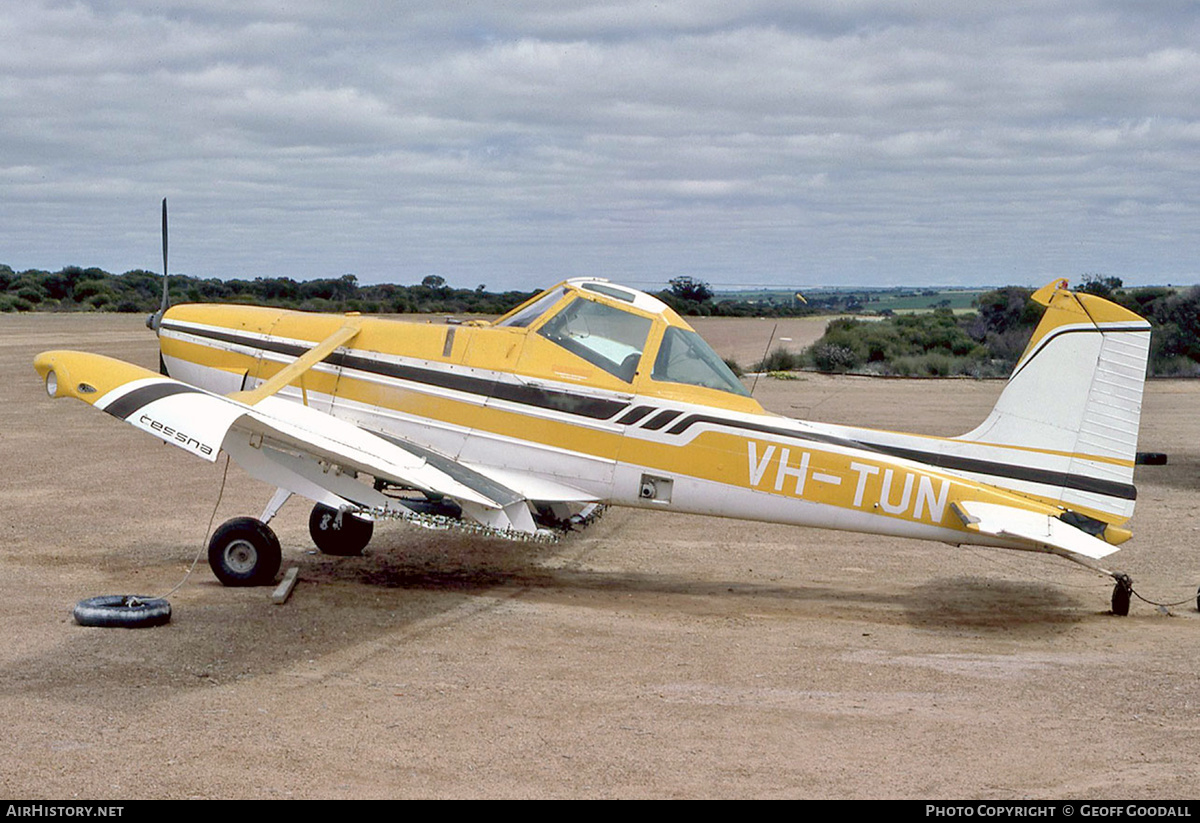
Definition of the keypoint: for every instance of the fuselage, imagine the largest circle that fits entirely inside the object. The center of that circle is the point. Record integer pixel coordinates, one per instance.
(613, 396)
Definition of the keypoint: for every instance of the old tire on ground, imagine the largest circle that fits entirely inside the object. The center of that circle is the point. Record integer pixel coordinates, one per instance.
(123, 611)
(244, 552)
(346, 539)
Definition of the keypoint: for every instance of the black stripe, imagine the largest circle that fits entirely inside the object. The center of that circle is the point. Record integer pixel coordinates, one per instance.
(1108, 488)
(127, 405)
(634, 415)
(1049, 477)
(241, 340)
(595, 408)
(1045, 341)
(661, 419)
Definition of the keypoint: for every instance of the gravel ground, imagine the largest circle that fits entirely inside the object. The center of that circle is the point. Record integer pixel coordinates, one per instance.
(652, 655)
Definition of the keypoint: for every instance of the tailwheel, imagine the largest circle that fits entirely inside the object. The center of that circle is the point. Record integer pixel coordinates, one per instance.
(1121, 594)
(339, 533)
(244, 552)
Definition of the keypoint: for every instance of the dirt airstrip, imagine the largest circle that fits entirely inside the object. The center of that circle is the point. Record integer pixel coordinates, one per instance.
(651, 655)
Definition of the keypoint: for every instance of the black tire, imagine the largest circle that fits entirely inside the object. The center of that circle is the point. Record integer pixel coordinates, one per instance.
(345, 540)
(1121, 595)
(123, 611)
(244, 552)
(1151, 459)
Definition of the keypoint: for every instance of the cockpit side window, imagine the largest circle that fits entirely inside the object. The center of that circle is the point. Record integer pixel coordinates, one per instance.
(531, 311)
(684, 357)
(602, 335)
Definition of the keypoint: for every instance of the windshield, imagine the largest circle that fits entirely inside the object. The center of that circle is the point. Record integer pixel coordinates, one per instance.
(684, 357)
(602, 335)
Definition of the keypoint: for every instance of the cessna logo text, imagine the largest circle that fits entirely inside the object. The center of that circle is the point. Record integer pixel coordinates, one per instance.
(172, 434)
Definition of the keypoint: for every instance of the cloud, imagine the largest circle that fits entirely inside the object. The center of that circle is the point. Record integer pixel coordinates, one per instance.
(759, 142)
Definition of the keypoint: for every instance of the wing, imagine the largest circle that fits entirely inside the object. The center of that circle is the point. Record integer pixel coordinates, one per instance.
(291, 446)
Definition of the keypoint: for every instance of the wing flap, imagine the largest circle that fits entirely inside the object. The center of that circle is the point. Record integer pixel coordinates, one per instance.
(286, 426)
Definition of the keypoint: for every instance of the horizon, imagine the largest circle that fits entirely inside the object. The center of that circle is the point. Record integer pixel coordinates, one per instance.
(729, 289)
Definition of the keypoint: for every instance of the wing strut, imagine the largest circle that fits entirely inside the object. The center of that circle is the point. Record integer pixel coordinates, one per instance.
(301, 364)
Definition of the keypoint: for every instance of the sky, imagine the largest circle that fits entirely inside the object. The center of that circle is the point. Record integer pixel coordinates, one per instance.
(513, 144)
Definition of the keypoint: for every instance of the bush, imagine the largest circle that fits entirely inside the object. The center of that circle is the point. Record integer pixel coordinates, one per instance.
(831, 357)
(879, 345)
(781, 359)
(929, 365)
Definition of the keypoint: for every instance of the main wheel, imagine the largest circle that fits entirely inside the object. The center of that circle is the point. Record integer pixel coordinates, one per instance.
(244, 552)
(345, 538)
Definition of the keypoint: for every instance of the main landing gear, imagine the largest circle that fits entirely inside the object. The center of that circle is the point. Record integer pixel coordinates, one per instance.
(245, 552)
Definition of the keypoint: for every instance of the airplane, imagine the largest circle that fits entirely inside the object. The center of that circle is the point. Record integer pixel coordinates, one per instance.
(594, 394)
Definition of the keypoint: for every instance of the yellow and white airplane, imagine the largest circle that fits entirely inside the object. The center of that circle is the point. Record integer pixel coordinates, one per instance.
(593, 394)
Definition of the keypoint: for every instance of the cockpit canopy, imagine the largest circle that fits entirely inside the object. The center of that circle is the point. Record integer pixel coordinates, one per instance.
(615, 328)
(601, 334)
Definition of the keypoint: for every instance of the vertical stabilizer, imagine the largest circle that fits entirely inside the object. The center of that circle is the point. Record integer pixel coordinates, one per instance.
(1076, 395)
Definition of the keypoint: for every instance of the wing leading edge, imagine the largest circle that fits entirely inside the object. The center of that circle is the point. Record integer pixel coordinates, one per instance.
(293, 447)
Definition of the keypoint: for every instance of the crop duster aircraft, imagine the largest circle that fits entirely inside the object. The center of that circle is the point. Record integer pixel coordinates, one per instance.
(594, 394)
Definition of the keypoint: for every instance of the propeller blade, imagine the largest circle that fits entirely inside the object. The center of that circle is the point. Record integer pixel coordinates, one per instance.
(154, 321)
(164, 238)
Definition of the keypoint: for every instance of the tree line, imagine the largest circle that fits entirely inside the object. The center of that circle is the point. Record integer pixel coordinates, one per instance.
(91, 289)
(984, 343)
(78, 289)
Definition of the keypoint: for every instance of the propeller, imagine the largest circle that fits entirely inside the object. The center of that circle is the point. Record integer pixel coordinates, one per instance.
(154, 321)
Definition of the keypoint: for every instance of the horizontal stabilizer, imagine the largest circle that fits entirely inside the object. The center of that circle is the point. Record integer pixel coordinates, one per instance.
(1046, 531)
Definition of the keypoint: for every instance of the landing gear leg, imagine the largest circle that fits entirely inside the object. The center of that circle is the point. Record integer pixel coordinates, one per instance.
(1121, 594)
(1122, 591)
